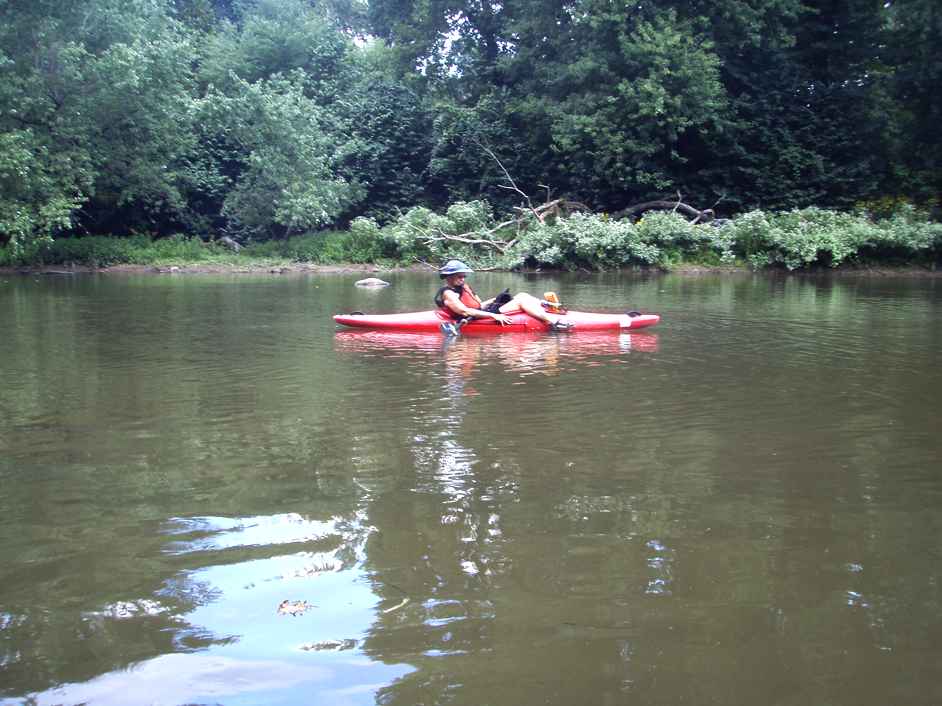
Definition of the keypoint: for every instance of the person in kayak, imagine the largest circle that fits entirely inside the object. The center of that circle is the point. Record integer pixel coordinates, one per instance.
(461, 301)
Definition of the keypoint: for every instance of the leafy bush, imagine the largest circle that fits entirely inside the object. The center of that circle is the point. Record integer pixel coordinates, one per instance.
(281, 151)
(884, 207)
(422, 234)
(38, 195)
(906, 234)
(362, 243)
(300, 248)
(678, 238)
(749, 235)
(808, 236)
(596, 242)
(96, 251)
(584, 241)
(177, 248)
(103, 251)
(792, 239)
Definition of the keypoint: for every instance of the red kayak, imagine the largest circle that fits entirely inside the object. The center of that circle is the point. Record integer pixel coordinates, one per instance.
(433, 320)
(519, 346)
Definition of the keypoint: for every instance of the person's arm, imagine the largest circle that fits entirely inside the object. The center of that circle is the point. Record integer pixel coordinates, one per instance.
(453, 302)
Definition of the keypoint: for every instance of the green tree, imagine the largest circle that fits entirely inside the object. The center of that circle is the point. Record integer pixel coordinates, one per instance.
(279, 37)
(139, 100)
(95, 92)
(632, 101)
(390, 131)
(914, 150)
(598, 97)
(267, 159)
(290, 136)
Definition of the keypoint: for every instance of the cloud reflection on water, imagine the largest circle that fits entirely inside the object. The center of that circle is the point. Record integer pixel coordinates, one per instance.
(230, 640)
(217, 533)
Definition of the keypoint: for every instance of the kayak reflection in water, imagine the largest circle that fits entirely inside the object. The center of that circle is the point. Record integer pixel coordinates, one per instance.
(461, 301)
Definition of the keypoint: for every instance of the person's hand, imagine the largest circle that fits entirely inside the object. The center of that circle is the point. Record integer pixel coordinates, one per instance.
(502, 319)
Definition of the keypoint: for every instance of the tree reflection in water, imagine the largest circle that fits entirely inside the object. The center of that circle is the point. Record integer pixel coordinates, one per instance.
(453, 538)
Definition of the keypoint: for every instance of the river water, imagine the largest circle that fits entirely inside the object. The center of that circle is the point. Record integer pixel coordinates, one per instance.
(212, 496)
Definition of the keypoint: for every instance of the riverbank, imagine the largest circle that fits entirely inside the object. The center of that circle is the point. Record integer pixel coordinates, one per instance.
(204, 268)
(809, 240)
(308, 268)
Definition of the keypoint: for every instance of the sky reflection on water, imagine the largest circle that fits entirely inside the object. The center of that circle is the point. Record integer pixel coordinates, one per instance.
(248, 651)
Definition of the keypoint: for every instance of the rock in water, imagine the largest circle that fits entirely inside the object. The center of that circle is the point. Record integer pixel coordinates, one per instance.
(372, 282)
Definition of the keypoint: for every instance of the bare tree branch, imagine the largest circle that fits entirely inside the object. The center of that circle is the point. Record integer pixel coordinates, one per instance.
(662, 205)
(513, 185)
(438, 235)
(424, 263)
(718, 201)
(559, 207)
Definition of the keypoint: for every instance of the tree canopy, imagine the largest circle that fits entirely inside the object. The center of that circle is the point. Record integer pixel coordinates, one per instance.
(270, 117)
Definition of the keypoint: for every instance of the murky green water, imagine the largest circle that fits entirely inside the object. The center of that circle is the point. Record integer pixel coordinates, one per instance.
(743, 506)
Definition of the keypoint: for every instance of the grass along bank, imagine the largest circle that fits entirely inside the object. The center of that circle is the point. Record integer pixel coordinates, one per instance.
(113, 252)
(803, 239)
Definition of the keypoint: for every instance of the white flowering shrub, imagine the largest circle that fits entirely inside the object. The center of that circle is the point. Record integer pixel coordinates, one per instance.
(793, 239)
(583, 240)
(422, 234)
(809, 236)
(905, 232)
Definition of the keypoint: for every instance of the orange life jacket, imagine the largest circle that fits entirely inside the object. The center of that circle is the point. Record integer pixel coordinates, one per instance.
(465, 294)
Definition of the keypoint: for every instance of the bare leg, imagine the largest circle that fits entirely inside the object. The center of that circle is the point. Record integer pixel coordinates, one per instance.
(529, 304)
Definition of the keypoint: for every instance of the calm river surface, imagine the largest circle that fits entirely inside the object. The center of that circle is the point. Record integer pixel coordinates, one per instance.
(741, 507)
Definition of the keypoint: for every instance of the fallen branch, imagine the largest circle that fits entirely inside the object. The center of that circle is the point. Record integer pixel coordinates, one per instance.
(435, 268)
(518, 223)
(513, 185)
(437, 235)
(695, 214)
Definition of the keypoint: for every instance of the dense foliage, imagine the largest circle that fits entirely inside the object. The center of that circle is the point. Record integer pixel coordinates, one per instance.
(267, 119)
(790, 239)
